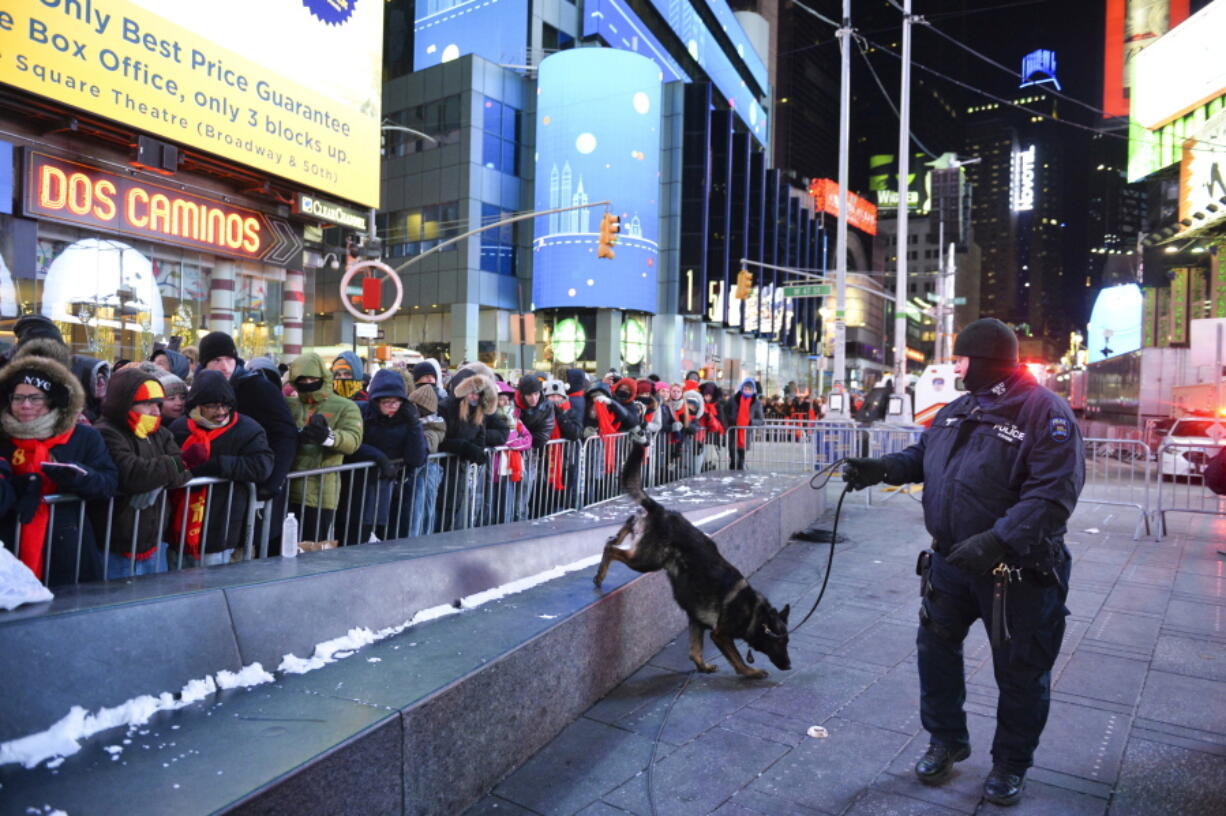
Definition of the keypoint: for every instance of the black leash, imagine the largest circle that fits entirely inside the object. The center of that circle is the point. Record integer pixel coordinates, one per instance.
(651, 763)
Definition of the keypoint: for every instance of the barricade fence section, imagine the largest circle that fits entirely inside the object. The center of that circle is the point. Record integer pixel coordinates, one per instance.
(211, 521)
(1119, 473)
(1181, 483)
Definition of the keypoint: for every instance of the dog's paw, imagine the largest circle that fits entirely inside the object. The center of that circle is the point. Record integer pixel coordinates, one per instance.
(707, 668)
(756, 674)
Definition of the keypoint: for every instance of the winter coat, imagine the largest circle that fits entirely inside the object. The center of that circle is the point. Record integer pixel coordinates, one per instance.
(86, 370)
(467, 427)
(729, 411)
(396, 437)
(1011, 462)
(345, 421)
(568, 424)
(538, 419)
(240, 454)
(576, 388)
(145, 466)
(497, 427)
(624, 416)
(261, 401)
(84, 448)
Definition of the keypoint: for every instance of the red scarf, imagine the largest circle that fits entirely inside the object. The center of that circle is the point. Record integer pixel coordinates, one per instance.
(28, 457)
(742, 419)
(189, 506)
(608, 426)
(713, 423)
(554, 453)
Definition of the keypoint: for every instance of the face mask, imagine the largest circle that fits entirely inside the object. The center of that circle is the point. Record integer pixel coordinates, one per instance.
(346, 388)
(303, 388)
(143, 424)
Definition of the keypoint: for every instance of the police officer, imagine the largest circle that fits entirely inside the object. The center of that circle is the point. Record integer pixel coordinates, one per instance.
(1002, 467)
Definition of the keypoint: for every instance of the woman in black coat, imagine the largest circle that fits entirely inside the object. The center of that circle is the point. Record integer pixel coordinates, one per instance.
(238, 451)
(393, 439)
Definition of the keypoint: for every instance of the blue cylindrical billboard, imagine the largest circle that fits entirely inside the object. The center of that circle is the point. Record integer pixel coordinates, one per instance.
(598, 138)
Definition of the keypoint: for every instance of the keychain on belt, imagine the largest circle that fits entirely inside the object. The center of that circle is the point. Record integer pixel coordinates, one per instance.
(1002, 576)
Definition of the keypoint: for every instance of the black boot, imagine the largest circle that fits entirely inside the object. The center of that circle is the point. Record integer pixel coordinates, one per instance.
(935, 766)
(1003, 787)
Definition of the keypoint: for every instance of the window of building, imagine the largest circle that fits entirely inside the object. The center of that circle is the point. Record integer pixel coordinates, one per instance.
(497, 245)
(500, 136)
(439, 121)
(412, 232)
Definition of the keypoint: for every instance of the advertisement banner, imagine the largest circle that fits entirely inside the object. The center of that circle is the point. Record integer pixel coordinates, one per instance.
(444, 30)
(861, 214)
(1149, 317)
(1181, 71)
(288, 87)
(597, 142)
(1217, 286)
(1178, 335)
(1132, 26)
(85, 196)
(1202, 173)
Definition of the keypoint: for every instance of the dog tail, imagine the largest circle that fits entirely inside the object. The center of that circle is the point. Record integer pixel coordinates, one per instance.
(632, 475)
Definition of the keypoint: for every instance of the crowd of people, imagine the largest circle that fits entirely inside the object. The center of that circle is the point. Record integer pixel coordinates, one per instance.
(126, 438)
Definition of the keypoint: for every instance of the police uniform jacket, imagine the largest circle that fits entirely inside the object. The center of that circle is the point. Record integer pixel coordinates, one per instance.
(1010, 460)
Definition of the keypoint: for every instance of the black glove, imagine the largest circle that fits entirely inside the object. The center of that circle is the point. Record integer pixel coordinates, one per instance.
(64, 474)
(315, 431)
(474, 453)
(691, 429)
(386, 467)
(209, 467)
(977, 554)
(861, 473)
(29, 494)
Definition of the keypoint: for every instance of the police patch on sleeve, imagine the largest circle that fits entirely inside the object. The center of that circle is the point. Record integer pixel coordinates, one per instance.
(1058, 429)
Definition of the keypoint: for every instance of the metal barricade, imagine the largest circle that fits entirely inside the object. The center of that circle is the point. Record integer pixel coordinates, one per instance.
(1119, 473)
(771, 447)
(834, 440)
(1181, 484)
(600, 465)
(880, 440)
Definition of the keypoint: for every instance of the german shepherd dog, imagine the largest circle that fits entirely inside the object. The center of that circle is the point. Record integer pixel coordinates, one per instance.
(712, 592)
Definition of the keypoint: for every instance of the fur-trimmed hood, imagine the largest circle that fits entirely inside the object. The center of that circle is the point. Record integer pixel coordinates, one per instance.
(45, 347)
(54, 371)
(466, 382)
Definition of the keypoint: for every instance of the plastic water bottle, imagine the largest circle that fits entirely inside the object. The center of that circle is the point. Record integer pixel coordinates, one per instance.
(289, 536)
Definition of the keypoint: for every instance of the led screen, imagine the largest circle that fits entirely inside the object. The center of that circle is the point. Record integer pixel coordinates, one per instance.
(597, 140)
(619, 27)
(740, 41)
(290, 88)
(1115, 322)
(444, 30)
(690, 28)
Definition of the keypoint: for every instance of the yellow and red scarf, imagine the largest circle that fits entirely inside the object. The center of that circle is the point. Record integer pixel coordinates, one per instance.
(28, 457)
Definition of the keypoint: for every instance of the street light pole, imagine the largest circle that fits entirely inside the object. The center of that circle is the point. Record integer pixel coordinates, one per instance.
(904, 239)
(837, 385)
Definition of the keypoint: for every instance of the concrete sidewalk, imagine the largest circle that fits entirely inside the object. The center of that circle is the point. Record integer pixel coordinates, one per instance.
(1138, 716)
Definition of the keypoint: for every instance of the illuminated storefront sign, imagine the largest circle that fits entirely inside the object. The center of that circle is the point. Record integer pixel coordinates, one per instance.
(86, 196)
(291, 89)
(1202, 174)
(329, 211)
(1039, 67)
(861, 213)
(1021, 185)
(597, 141)
(1116, 321)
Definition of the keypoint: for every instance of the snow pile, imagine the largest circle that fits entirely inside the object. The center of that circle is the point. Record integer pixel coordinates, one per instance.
(64, 738)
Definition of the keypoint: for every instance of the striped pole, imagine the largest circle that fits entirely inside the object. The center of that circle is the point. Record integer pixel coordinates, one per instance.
(292, 310)
(221, 298)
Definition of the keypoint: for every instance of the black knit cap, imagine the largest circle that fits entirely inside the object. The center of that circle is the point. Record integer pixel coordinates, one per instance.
(57, 393)
(216, 344)
(989, 339)
(529, 384)
(210, 387)
(31, 326)
(423, 369)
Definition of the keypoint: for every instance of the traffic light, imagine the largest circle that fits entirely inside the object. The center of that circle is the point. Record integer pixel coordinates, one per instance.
(744, 283)
(610, 225)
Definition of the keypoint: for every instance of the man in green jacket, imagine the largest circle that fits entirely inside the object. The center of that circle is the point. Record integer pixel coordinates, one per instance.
(329, 428)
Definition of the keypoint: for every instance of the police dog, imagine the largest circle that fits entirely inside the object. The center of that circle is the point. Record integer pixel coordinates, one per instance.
(712, 592)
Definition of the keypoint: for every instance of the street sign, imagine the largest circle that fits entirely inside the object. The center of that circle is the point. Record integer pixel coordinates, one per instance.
(958, 301)
(807, 290)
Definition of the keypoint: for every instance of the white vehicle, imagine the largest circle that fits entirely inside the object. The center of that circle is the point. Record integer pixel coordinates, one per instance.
(937, 387)
(1194, 441)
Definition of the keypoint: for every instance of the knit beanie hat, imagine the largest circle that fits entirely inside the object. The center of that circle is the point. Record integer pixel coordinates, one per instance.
(423, 369)
(210, 387)
(645, 388)
(529, 384)
(988, 338)
(425, 398)
(217, 344)
(172, 384)
(554, 387)
(31, 326)
(57, 393)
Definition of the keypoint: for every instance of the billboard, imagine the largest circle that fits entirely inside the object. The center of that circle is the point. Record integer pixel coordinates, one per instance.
(597, 140)
(1132, 26)
(1021, 180)
(1182, 71)
(862, 214)
(242, 80)
(444, 30)
(615, 23)
(883, 182)
(1202, 174)
(1115, 322)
